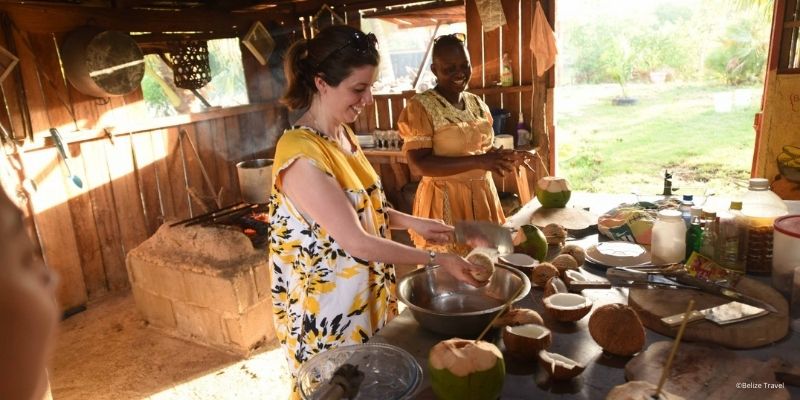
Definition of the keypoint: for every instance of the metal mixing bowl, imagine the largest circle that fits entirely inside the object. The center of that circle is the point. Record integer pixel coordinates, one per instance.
(446, 306)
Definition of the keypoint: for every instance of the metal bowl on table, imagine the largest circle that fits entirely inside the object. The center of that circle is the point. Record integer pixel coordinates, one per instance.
(449, 307)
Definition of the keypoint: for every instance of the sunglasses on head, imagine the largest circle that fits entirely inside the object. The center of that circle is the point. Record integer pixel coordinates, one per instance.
(461, 37)
(361, 42)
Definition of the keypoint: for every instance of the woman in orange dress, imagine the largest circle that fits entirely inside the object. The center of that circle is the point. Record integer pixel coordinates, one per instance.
(448, 137)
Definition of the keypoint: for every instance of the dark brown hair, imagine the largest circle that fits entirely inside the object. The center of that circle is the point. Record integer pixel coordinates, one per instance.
(332, 54)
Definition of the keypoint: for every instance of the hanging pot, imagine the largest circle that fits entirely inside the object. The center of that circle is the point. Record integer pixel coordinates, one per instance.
(102, 63)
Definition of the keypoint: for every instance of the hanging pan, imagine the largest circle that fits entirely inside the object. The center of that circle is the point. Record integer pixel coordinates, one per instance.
(102, 63)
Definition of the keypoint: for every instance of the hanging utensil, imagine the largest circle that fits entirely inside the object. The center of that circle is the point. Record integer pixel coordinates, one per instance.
(64, 156)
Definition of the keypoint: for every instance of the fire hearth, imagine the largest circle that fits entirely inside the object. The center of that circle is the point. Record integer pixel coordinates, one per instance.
(208, 284)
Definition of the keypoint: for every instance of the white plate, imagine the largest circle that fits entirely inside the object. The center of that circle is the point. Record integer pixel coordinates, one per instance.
(617, 254)
(519, 260)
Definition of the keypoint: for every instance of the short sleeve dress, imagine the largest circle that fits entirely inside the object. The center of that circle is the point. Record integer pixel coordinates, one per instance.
(429, 121)
(322, 296)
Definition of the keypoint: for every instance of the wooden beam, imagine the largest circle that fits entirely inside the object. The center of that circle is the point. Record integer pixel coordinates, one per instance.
(40, 19)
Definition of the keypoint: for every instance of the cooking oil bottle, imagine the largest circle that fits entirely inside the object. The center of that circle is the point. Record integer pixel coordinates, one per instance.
(760, 207)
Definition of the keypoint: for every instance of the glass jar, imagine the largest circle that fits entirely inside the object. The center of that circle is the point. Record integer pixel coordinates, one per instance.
(669, 238)
(760, 207)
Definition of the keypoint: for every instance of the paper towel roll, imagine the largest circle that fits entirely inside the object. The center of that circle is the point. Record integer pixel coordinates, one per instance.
(504, 141)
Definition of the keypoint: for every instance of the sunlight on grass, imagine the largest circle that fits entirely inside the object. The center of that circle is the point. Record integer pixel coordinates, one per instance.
(674, 126)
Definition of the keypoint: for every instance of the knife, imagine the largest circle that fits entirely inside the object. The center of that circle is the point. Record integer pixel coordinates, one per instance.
(629, 277)
(726, 314)
(719, 290)
(484, 234)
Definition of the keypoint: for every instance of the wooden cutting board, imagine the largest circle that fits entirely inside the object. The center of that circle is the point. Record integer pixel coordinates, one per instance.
(654, 304)
(702, 372)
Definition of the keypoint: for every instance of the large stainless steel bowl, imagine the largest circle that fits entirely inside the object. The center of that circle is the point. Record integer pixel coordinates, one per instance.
(444, 305)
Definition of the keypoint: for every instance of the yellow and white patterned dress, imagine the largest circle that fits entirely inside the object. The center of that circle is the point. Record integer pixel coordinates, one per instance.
(322, 296)
(429, 121)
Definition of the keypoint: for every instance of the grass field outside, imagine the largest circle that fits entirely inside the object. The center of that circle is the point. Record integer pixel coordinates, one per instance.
(673, 126)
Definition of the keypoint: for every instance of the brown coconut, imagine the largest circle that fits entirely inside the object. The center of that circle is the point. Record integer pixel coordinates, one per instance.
(567, 307)
(555, 234)
(486, 264)
(543, 272)
(639, 390)
(525, 341)
(564, 262)
(577, 252)
(554, 285)
(617, 329)
(518, 316)
(559, 367)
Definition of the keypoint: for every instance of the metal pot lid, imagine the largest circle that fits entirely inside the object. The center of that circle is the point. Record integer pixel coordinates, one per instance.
(390, 373)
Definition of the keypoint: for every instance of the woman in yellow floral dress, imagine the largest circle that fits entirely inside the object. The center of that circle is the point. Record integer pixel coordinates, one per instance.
(333, 282)
(448, 140)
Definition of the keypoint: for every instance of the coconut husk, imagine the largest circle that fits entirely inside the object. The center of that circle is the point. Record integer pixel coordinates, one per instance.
(574, 219)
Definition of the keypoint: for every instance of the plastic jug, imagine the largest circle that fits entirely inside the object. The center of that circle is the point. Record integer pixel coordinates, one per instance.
(669, 238)
(760, 207)
(786, 253)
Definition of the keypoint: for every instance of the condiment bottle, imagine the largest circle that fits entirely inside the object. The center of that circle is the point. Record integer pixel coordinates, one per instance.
(686, 207)
(669, 238)
(694, 234)
(728, 247)
(760, 206)
(708, 247)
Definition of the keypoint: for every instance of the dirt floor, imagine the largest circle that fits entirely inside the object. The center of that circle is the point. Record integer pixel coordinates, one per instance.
(109, 352)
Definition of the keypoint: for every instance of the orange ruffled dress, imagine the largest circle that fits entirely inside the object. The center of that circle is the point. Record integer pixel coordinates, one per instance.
(430, 121)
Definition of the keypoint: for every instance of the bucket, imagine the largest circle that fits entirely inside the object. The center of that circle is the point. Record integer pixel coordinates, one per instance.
(255, 180)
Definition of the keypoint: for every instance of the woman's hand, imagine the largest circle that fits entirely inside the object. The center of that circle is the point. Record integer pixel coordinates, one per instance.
(434, 231)
(498, 160)
(459, 268)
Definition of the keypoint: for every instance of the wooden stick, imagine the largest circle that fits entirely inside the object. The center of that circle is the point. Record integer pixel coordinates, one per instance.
(502, 310)
(665, 372)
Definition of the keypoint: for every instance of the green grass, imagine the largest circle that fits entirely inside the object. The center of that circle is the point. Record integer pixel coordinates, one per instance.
(674, 126)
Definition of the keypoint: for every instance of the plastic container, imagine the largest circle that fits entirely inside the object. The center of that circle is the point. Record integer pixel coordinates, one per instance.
(708, 247)
(499, 118)
(760, 207)
(669, 238)
(390, 373)
(786, 252)
(729, 239)
(686, 207)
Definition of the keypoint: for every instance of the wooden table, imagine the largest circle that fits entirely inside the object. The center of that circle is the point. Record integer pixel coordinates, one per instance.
(528, 381)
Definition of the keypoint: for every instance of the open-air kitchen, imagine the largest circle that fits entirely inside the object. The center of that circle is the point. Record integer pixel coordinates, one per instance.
(377, 199)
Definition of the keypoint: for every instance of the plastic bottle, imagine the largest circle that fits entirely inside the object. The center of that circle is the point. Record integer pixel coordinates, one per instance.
(506, 73)
(710, 233)
(694, 234)
(523, 133)
(760, 207)
(686, 208)
(727, 249)
(669, 238)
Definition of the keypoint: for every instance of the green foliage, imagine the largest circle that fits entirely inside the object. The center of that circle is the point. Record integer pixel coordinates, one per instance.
(740, 55)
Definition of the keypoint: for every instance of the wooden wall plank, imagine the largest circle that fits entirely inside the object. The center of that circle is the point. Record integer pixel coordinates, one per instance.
(205, 146)
(491, 65)
(86, 236)
(383, 121)
(12, 114)
(148, 183)
(527, 62)
(511, 46)
(233, 155)
(127, 198)
(55, 226)
(474, 43)
(195, 185)
(225, 175)
(372, 122)
(177, 175)
(397, 105)
(28, 66)
(160, 145)
(106, 220)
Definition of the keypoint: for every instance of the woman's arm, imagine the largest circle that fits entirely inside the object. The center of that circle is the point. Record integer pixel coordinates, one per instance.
(321, 197)
(434, 231)
(424, 162)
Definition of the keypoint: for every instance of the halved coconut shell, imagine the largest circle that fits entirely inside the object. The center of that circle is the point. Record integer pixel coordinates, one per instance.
(567, 307)
(559, 367)
(573, 275)
(555, 285)
(483, 259)
(639, 390)
(525, 341)
(518, 316)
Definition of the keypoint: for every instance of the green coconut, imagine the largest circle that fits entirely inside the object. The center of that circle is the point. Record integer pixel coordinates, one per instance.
(463, 369)
(531, 241)
(553, 192)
